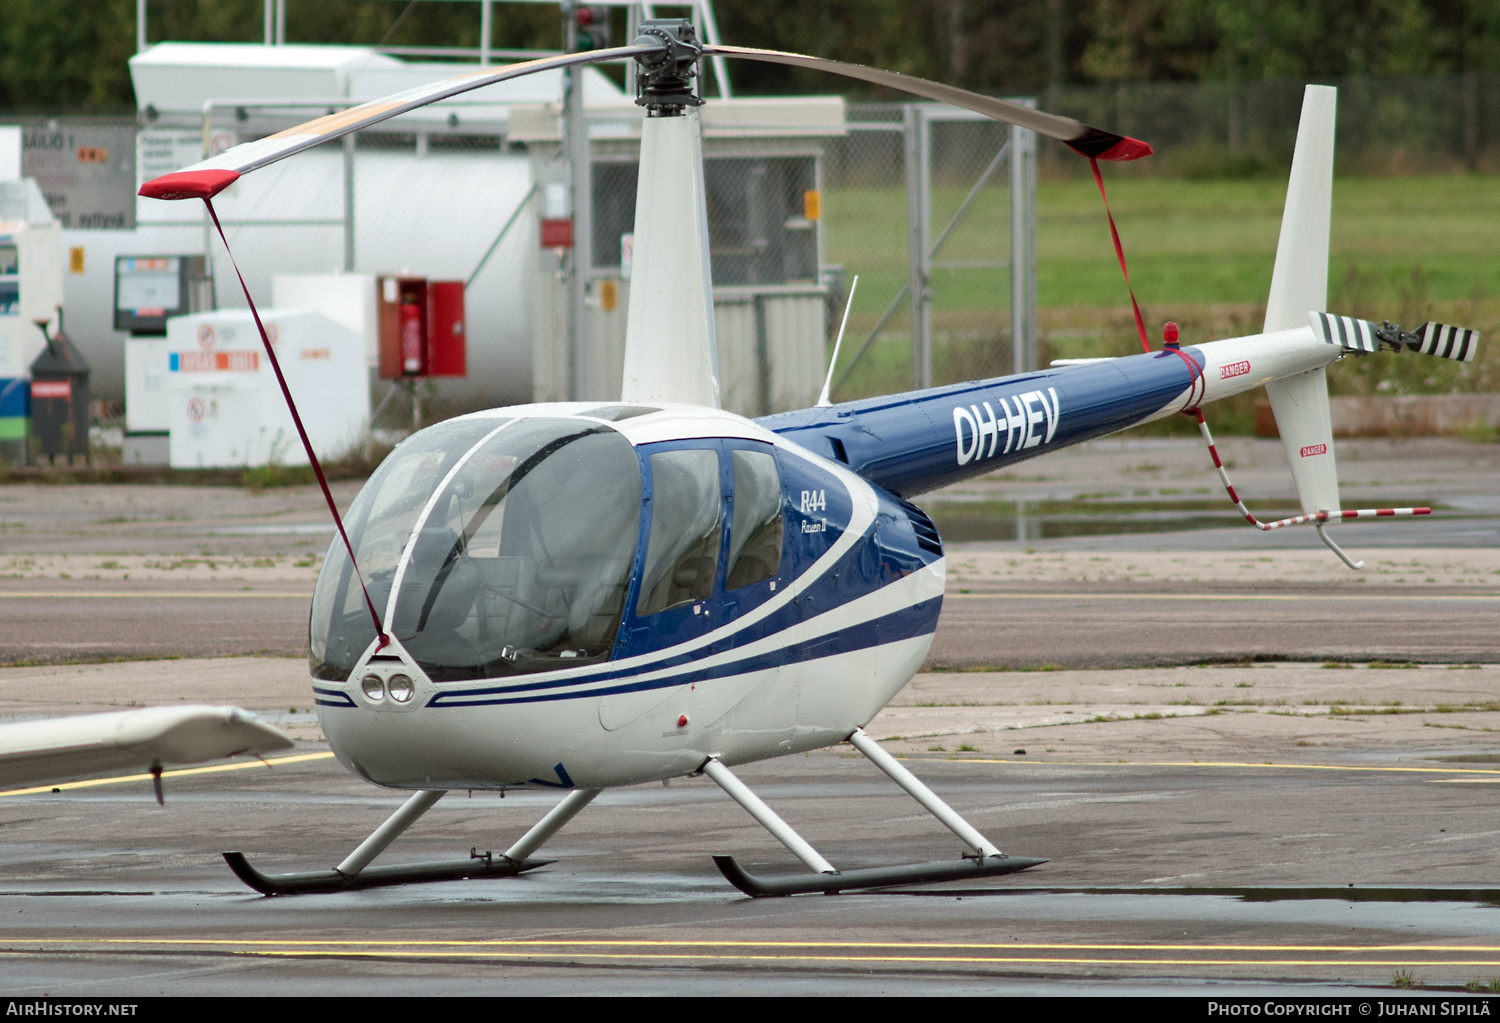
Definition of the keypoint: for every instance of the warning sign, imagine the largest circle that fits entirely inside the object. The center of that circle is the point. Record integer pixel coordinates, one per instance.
(85, 169)
(51, 389)
(210, 362)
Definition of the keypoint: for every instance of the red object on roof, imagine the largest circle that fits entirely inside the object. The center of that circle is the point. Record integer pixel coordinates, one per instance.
(202, 184)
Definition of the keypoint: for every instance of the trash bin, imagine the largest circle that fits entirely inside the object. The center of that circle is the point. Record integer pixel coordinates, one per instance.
(60, 399)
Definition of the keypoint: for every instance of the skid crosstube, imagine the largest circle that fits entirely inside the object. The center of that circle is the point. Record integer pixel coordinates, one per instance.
(375, 877)
(870, 877)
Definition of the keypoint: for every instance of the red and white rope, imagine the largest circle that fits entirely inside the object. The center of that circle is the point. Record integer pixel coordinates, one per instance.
(1295, 520)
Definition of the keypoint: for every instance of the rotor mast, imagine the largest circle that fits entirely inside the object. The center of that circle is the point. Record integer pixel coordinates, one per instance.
(671, 354)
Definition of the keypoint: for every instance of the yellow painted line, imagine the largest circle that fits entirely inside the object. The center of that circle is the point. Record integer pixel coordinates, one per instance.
(145, 594)
(964, 960)
(1321, 598)
(1214, 763)
(179, 773)
(649, 943)
(795, 951)
(1471, 781)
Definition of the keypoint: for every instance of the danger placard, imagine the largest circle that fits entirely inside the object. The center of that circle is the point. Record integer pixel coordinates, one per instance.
(211, 362)
(52, 389)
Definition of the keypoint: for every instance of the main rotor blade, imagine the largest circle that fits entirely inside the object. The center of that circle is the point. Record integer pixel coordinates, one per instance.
(206, 179)
(1092, 142)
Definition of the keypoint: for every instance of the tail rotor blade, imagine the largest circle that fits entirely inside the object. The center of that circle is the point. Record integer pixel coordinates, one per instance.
(1091, 142)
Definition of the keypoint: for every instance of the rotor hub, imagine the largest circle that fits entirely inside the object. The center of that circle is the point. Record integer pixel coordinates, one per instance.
(664, 79)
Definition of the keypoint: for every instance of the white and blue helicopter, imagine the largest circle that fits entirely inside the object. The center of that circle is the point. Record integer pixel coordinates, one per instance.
(583, 596)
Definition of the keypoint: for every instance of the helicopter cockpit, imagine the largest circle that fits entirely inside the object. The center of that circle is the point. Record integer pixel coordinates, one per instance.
(524, 536)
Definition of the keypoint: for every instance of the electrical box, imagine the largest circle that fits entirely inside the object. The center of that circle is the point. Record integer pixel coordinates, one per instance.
(149, 291)
(422, 331)
(348, 299)
(31, 274)
(225, 407)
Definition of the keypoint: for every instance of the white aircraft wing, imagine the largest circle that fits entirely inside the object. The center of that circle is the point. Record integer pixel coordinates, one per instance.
(56, 749)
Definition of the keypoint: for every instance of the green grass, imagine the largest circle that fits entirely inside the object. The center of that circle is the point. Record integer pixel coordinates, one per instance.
(1200, 253)
(1188, 242)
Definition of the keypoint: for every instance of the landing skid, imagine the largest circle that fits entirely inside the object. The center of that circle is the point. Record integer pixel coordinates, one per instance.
(307, 882)
(355, 871)
(873, 877)
(983, 860)
(986, 860)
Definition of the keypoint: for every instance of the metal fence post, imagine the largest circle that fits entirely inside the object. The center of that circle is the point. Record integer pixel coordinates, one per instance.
(581, 256)
(918, 207)
(1023, 326)
(349, 202)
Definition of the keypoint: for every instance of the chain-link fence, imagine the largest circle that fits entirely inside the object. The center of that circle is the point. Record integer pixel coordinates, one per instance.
(936, 203)
(456, 198)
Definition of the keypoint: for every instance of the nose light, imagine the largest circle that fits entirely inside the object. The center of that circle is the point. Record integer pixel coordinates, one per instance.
(374, 687)
(400, 688)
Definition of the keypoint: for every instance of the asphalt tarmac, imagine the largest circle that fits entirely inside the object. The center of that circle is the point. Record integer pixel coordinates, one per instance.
(1180, 878)
(1208, 830)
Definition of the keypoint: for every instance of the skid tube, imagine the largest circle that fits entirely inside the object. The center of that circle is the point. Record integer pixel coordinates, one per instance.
(984, 859)
(871, 877)
(356, 872)
(308, 882)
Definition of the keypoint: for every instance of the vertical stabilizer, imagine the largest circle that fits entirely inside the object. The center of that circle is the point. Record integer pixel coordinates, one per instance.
(670, 351)
(1299, 285)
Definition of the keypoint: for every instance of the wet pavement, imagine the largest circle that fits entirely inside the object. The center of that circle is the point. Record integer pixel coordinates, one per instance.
(1248, 828)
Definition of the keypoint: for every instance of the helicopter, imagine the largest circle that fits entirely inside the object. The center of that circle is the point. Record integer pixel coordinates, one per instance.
(588, 595)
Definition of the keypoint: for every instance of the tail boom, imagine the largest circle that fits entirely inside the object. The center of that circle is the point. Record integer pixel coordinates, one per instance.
(919, 441)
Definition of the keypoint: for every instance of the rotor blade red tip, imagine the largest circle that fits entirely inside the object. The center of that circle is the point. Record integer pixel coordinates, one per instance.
(1127, 149)
(1104, 145)
(201, 184)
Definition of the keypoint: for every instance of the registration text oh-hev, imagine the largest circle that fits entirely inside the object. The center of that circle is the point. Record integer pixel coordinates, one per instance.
(1025, 420)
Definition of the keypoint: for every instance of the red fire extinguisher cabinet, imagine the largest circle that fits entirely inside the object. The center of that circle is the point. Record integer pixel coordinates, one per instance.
(422, 329)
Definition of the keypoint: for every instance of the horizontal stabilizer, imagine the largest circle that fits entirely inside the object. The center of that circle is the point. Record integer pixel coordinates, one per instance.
(1439, 339)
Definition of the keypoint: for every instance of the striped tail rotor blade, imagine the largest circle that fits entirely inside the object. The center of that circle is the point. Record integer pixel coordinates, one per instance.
(1345, 331)
(205, 180)
(1448, 342)
(1091, 142)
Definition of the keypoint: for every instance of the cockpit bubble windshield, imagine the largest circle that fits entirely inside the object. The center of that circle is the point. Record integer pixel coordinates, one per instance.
(522, 563)
(379, 522)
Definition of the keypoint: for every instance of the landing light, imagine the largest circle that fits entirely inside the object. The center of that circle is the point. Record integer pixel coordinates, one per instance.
(400, 688)
(374, 687)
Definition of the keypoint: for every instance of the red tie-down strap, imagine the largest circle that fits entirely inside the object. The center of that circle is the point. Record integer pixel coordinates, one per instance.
(1140, 323)
(1296, 520)
(291, 405)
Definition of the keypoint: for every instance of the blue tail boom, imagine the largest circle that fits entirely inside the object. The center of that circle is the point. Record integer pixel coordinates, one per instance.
(919, 441)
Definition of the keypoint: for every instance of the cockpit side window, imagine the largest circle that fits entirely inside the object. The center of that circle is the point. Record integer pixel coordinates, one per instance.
(686, 526)
(755, 533)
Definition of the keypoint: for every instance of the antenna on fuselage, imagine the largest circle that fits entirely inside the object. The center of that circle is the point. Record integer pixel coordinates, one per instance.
(823, 400)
